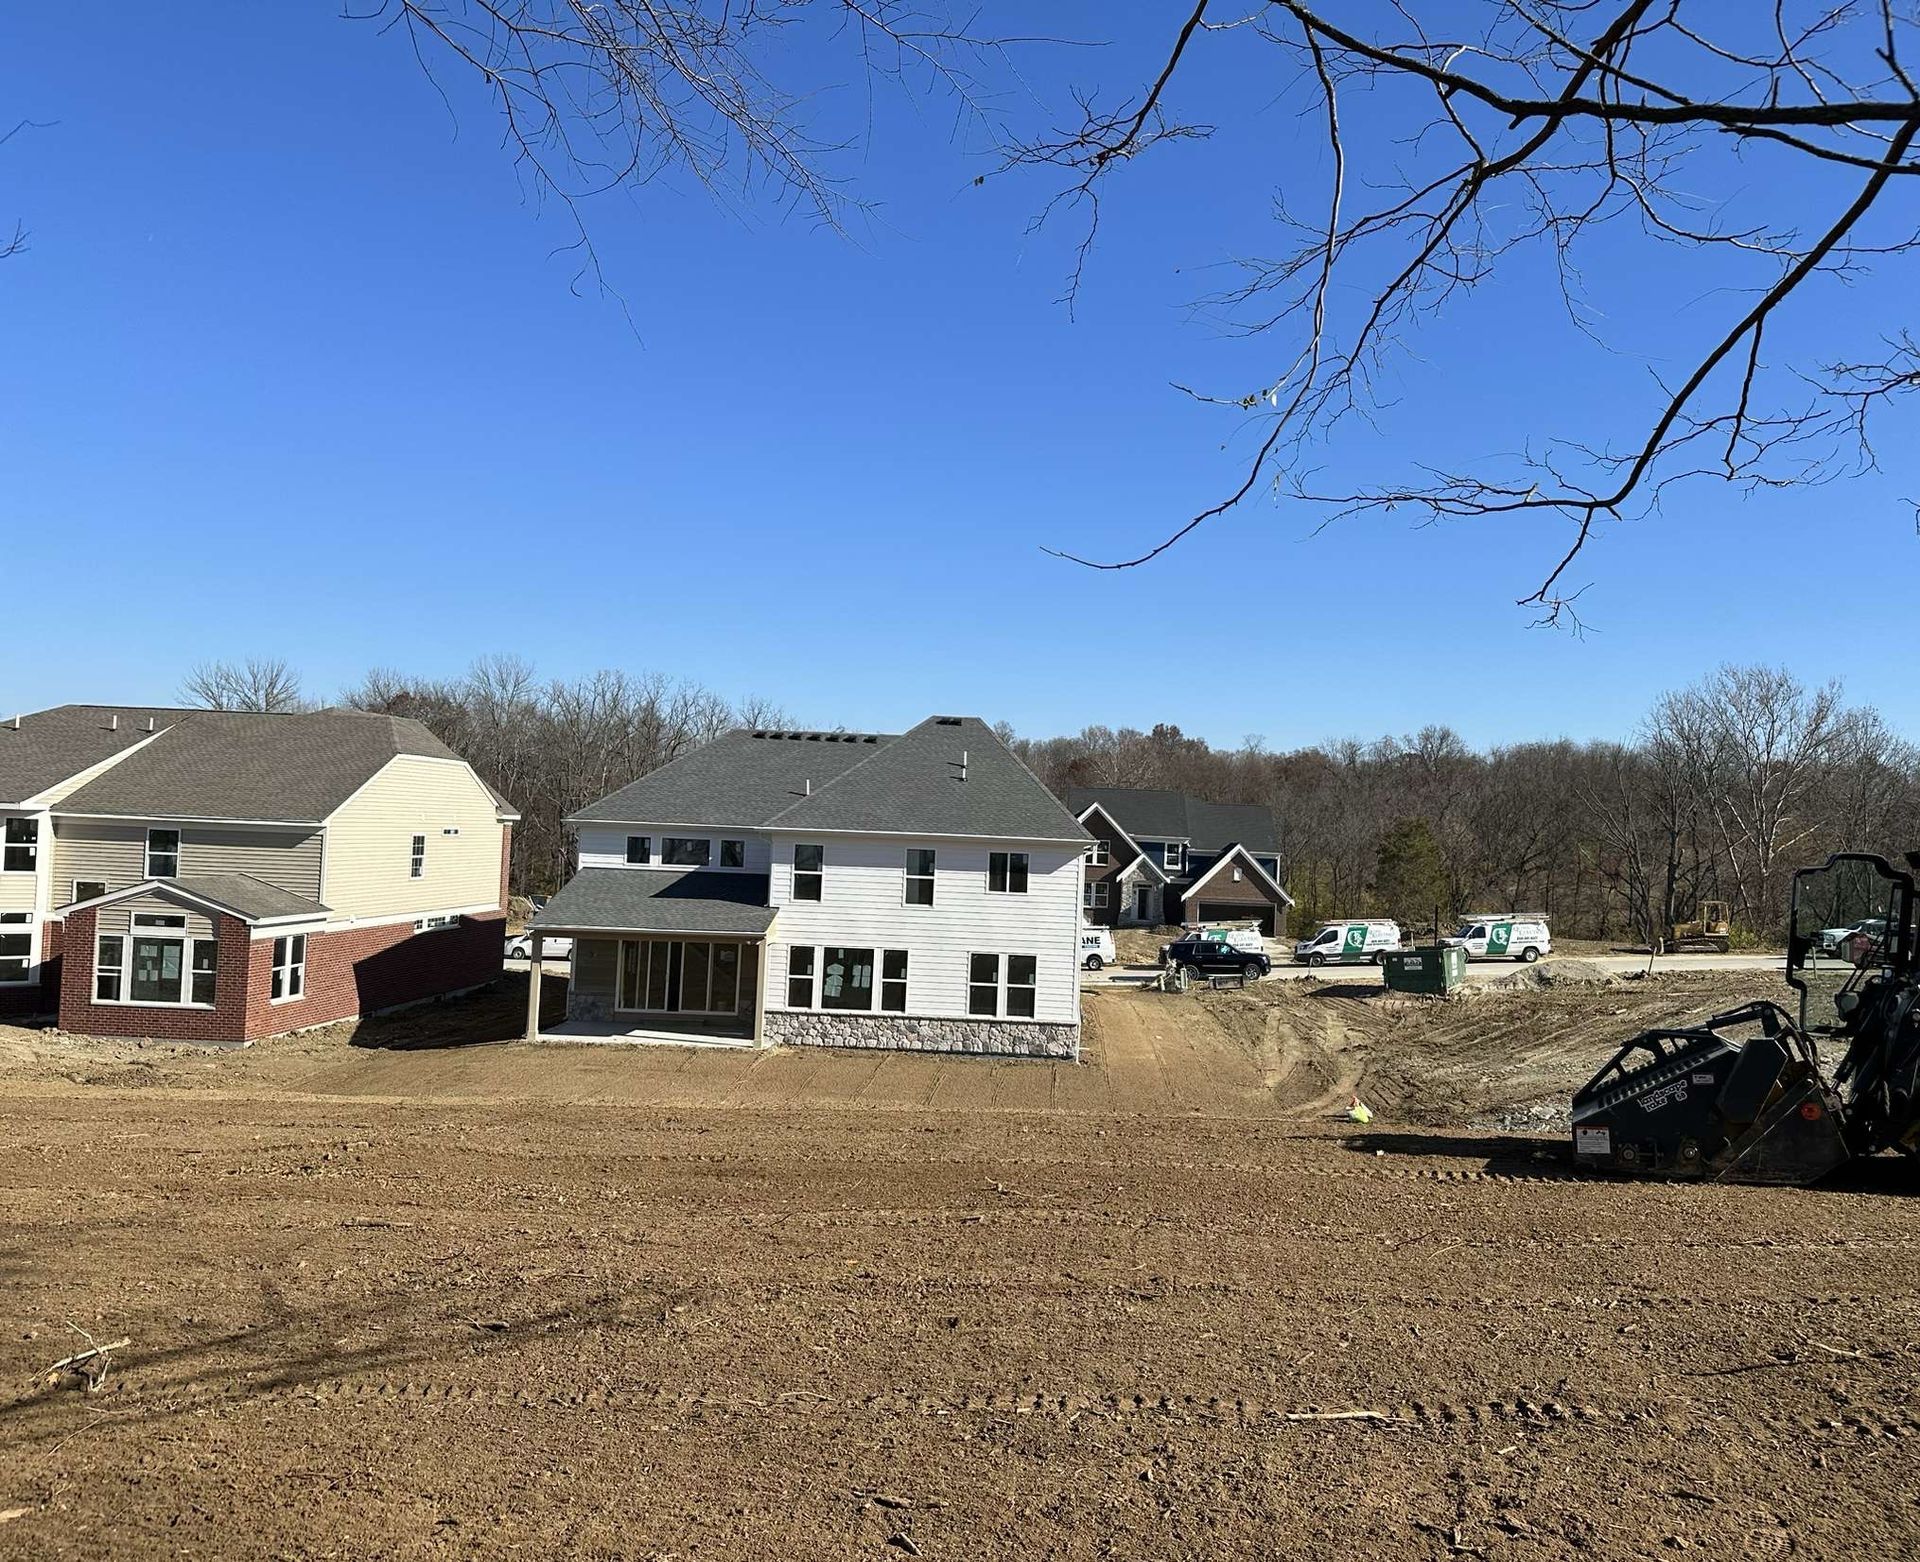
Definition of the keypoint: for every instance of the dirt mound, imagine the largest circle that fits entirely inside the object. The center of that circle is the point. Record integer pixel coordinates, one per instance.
(1558, 973)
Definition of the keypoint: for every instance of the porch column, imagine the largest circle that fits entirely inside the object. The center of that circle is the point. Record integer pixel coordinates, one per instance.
(533, 988)
(763, 976)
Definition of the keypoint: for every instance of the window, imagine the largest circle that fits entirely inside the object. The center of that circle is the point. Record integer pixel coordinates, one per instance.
(686, 851)
(88, 889)
(983, 985)
(16, 947)
(107, 959)
(800, 977)
(1171, 854)
(1095, 894)
(684, 976)
(1007, 873)
(158, 965)
(809, 869)
(163, 854)
(22, 851)
(1022, 983)
(435, 924)
(733, 854)
(1099, 854)
(170, 920)
(919, 876)
(289, 967)
(639, 850)
(846, 979)
(417, 860)
(206, 955)
(893, 981)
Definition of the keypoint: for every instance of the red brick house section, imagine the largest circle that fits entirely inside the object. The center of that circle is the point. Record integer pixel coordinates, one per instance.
(225, 1021)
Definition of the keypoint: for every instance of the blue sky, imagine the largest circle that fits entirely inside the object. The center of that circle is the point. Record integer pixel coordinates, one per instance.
(293, 370)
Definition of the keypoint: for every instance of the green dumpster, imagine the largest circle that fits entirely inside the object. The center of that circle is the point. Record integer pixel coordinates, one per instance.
(1427, 970)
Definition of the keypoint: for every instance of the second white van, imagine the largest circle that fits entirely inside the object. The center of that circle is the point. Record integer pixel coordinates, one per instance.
(1504, 938)
(1349, 943)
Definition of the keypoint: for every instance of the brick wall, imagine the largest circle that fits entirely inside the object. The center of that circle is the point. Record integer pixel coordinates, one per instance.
(361, 970)
(354, 971)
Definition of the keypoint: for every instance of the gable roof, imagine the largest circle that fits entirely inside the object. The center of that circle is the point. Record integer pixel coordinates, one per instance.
(1237, 853)
(1159, 814)
(905, 784)
(250, 899)
(51, 746)
(295, 768)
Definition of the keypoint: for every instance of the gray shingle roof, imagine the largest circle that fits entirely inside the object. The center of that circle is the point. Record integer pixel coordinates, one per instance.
(906, 784)
(251, 898)
(741, 778)
(646, 900)
(1156, 814)
(914, 785)
(239, 765)
(51, 746)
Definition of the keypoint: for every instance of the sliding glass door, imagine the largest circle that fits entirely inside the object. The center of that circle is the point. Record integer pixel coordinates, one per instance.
(686, 976)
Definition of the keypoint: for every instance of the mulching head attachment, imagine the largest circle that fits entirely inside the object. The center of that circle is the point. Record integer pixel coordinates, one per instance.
(1739, 1098)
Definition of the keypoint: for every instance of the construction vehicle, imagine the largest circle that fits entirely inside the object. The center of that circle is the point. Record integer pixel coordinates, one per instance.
(1711, 929)
(1745, 1096)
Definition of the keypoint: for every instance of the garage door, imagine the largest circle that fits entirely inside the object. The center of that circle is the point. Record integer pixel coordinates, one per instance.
(1238, 911)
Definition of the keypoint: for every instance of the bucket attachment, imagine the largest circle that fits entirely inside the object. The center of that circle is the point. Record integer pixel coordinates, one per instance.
(1737, 1099)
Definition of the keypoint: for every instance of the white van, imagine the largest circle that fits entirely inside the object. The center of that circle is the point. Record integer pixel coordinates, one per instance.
(1516, 936)
(1349, 943)
(1096, 948)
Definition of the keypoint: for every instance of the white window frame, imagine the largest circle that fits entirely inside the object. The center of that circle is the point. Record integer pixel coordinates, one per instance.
(882, 981)
(10, 924)
(152, 872)
(436, 924)
(1010, 986)
(1100, 853)
(993, 986)
(1094, 896)
(817, 875)
(30, 847)
(188, 943)
(1173, 855)
(732, 867)
(908, 878)
(117, 967)
(811, 976)
(76, 890)
(416, 857)
(289, 968)
(666, 841)
(1026, 873)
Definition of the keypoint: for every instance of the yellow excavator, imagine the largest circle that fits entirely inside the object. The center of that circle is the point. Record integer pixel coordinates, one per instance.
(1710, 929)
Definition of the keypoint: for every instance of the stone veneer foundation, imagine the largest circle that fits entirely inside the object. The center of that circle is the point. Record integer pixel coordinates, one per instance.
(789, 1028)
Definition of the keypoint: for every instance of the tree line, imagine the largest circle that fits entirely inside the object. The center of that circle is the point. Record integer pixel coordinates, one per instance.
(1723, 790)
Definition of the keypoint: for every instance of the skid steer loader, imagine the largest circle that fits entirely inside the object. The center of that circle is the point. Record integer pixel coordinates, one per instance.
(1746, 1096)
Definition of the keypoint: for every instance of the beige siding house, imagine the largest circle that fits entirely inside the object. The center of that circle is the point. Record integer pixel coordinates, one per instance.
(221, 876)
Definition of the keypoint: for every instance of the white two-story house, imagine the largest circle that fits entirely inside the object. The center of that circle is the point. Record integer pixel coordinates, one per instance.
(828, 888)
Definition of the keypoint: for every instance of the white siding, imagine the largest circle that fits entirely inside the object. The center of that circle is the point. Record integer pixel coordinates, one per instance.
(370, 835)
(864, 906)
(605, 845)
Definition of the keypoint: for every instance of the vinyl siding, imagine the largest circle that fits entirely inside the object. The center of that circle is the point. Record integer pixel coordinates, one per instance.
(863, 906)
(605, 846)
(119, 918)
(369, 838)
(115, 853)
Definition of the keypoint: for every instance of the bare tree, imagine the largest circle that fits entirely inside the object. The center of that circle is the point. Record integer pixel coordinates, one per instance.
(1468, 140)
(256, 684)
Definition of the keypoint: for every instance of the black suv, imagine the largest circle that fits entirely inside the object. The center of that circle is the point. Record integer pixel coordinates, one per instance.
(1208, 955)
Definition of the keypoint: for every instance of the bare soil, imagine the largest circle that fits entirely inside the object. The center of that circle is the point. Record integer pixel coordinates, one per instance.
(412, 1289)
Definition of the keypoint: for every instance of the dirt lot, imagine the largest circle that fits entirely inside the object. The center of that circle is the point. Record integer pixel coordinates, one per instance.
(413, 1299)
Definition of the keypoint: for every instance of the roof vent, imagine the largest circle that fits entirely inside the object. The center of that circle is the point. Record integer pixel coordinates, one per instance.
(813, 737)
(795, 737)
(946, 721)
(16, 723)
(869, 740)
(113, 722)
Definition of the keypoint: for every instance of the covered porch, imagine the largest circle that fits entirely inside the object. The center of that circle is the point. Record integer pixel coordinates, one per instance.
(656, 957)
